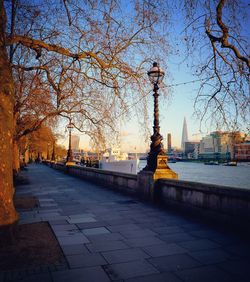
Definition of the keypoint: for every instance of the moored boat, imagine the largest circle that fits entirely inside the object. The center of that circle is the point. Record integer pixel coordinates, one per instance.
(232, 163)
(212, 163)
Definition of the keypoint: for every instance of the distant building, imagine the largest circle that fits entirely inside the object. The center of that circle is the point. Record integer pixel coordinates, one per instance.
(184, 137)
(191, 150)
(169, 143)
(242, 151)
(75, 140)
(219, 145)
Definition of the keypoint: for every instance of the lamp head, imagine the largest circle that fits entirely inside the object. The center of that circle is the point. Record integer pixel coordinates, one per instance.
(155, 74)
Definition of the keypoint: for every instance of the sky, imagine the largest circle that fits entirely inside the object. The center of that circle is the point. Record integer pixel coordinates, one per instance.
(172, 110)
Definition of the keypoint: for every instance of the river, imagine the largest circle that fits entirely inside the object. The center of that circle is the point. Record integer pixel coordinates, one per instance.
(234, 176)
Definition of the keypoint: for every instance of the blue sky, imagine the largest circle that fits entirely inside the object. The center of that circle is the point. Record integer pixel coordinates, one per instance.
(172, 109)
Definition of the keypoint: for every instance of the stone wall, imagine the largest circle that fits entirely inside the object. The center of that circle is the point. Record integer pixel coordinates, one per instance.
(216, 201)
(234, 202)
(116, 180)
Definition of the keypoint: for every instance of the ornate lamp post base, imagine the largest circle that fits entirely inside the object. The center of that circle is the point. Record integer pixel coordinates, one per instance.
(163, 170)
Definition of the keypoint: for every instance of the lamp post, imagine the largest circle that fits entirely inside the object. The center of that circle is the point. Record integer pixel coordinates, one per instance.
(157, 159)
(48, 156)
(69, 153)
(53, 157)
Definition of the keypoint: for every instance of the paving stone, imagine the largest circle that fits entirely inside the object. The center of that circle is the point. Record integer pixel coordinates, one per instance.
(73, 239)
(124, 255)
(164, 250)
(173, 262)
(85, 225)
(121, 227)
(211, 256)
(240, 268)
(204, 274)
(95, 231)
(141, 242)
(66, 227)
(106, 246)
(81, 215)
(58, 222)
(42, 277)
(76, 249)
(86, 260)
(48, 204)
(176, 237)
(201, 244)
(90, 274)
(167, 229)
(66, 233)
(118, 222)
(242, 250)
(106, 237)
(129, 269)
(81, 220)
(137, 233)
(192, 226)
(162, 277)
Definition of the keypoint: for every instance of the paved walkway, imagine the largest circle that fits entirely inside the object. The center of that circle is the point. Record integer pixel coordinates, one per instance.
(106, 236)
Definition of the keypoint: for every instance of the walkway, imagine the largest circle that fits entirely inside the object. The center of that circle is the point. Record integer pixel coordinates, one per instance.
(106, 236)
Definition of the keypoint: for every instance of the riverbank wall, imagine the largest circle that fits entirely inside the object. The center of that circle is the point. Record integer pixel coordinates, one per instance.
(217, 203)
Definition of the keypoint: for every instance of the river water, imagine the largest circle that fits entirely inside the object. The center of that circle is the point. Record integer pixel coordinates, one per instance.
(234, 176)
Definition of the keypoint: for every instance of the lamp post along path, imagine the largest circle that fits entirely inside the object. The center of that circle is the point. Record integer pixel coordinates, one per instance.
(157, 159)
(69, 160)
(53, 157)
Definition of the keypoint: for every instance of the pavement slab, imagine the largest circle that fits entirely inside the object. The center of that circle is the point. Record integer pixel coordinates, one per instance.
(90, 274)
(85, 260)
(205, 274)
(173, 262)
(124, 255)
(106, 246)
(130, 269)
(164, 250)
(162, 277)
(108, 236)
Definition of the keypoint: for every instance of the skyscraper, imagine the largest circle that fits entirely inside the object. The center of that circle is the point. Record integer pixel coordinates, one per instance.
(184, 137)
(169, 143)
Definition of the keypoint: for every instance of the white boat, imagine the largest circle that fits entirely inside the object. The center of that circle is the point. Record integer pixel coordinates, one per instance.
(114, 160)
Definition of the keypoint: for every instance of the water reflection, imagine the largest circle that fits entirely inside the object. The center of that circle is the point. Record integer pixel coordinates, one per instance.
(238, 176)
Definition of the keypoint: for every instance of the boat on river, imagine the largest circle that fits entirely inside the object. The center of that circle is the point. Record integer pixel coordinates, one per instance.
(232, 163)
(212, 163)
(114, 160)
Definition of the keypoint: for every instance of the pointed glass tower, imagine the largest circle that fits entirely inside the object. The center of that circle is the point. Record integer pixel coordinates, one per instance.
(184, 137)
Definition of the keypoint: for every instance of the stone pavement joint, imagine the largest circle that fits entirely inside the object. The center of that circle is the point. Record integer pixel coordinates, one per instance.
(107, 236)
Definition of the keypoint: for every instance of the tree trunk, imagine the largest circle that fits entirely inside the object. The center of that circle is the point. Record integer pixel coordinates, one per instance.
(16, 158)
(8, 214)
(26, 156)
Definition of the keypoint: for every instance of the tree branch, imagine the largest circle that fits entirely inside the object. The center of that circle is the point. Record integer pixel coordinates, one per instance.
(225, 35)
(38, 45)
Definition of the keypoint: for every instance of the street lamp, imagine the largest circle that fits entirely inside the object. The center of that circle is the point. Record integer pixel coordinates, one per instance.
(48, 155)
(157, 159)
(69, 153)
(53, 157)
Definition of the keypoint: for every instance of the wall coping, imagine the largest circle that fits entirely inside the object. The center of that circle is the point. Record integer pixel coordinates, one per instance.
(208, 188)
(107, 172)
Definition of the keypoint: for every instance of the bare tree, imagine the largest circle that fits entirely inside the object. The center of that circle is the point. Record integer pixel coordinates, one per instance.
(84, 60)
(217, 37)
